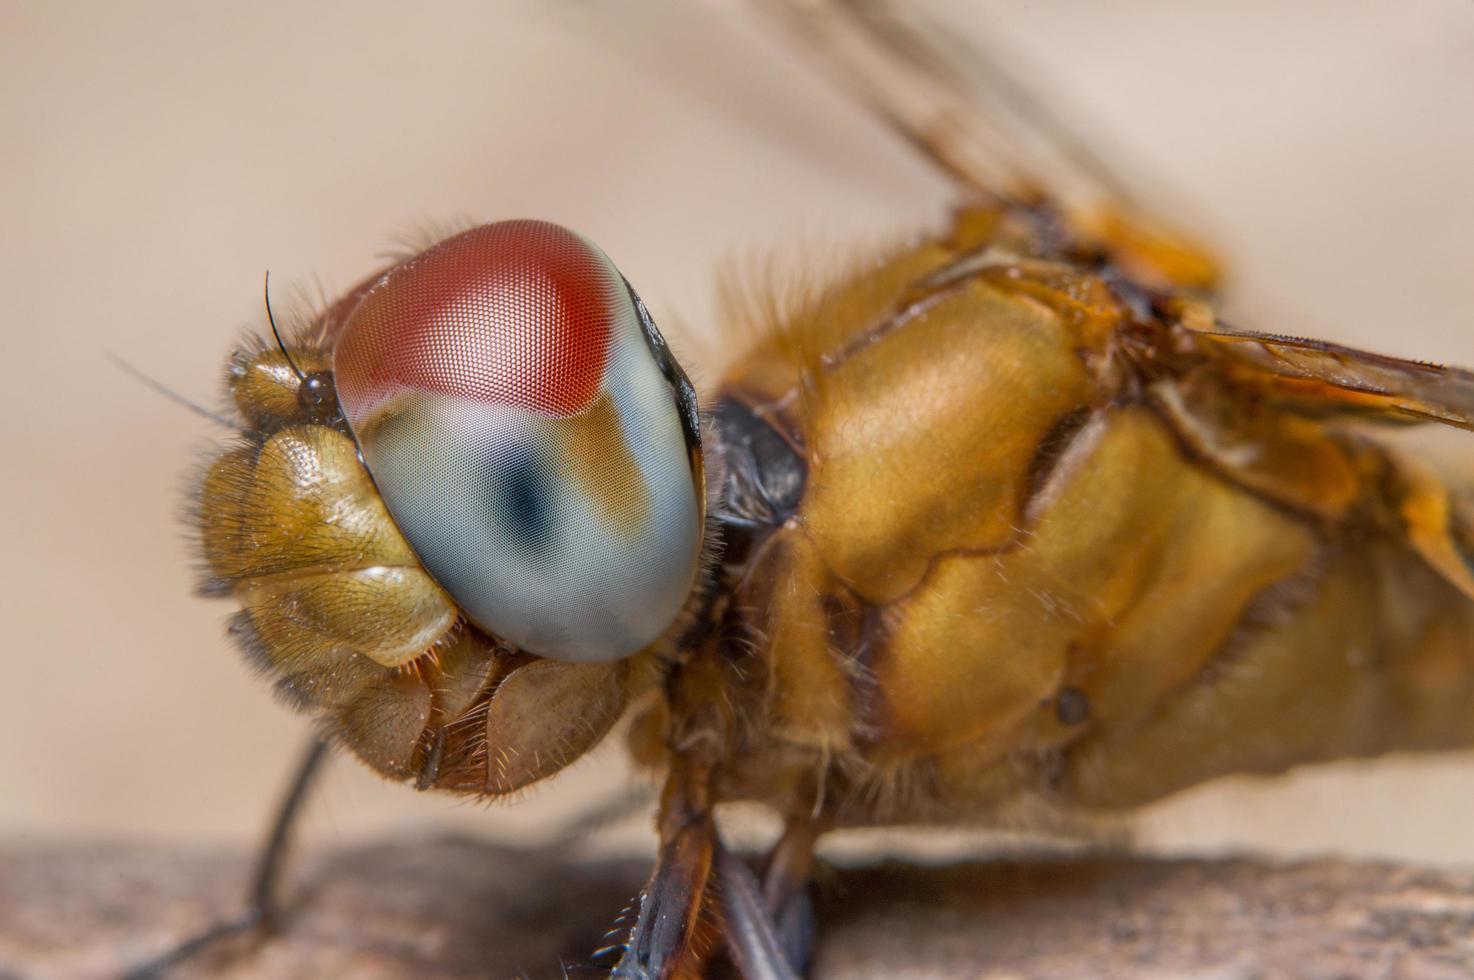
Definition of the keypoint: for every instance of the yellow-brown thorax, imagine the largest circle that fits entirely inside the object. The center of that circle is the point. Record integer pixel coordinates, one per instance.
(993, 537)
(1015, 564)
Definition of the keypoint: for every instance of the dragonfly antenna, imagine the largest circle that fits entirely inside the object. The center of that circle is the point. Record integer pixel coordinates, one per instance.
(277, 333)
(170, 393)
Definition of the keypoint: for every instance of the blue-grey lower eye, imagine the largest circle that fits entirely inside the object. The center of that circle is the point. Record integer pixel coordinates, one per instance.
(530, 438)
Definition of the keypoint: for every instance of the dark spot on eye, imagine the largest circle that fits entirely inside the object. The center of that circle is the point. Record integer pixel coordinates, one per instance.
(1072, 706)
(523, 502)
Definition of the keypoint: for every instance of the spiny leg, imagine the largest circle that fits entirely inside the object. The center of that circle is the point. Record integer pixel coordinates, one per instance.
(663, 943)
(662, 940)
(261, 901)
(667, 939)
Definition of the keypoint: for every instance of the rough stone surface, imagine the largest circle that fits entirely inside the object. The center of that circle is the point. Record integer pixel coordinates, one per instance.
(460, 908)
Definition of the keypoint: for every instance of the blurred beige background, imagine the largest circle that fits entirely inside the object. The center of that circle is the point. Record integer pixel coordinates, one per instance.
(156, 158)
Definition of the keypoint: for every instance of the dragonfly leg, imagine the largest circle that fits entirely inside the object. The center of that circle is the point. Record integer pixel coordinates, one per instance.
(786, 892)
(665, 940)
(261, 913)
(670, 939)
(755, 945)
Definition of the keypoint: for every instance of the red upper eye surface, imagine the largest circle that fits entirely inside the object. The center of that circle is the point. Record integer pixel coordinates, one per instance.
(518, 312)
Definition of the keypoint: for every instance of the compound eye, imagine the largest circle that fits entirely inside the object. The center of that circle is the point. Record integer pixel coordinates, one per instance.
(531, 436)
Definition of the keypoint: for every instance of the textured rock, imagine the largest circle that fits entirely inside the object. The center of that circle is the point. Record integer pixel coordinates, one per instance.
(454, 908)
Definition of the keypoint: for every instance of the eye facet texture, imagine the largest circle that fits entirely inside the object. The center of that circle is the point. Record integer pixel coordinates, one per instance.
(526, 440)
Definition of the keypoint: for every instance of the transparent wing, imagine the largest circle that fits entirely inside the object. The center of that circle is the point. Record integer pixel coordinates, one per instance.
(1325, 378)
(960, 106)
(1431, 504)
(954, 101)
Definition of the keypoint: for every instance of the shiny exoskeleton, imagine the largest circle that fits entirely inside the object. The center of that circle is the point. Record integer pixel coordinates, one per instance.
(1001, 527)
(999, 537)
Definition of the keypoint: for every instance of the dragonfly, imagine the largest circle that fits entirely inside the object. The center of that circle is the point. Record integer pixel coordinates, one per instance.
(1004, 525)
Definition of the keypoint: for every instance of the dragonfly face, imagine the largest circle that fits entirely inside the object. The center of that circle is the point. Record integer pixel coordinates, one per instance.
(489, 474)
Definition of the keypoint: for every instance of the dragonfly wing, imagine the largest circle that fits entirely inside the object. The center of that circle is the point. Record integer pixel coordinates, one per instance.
(959, 105)
(884, 62)
(1219, 380)
(1324, 378)
(953, 99)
